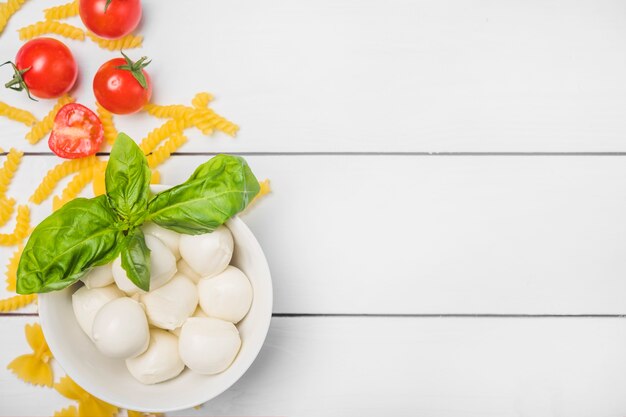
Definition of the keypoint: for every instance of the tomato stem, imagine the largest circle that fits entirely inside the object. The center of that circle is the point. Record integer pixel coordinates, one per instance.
(17, 82)
(106, 6)
(136, 68)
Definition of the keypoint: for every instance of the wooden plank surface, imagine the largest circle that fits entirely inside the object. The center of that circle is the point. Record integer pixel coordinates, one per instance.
(404, 367)
(380, 76)
(432, 234)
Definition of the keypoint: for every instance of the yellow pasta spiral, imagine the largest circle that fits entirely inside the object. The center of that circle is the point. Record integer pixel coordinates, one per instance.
(171, 111)
(126, 42)
(57, 173)
(7, 10)
(46, 124)
(62, 12)
(22, 228)
(110, 132)
(163, 132)
(155, 178)
(207, 120)
(17, 115)
(163, 152)
(201, 100)
(16, 302)
(74, 187)
(99, 170)
(51, 26)
(7, 206)
(12, 269)
(11, 163)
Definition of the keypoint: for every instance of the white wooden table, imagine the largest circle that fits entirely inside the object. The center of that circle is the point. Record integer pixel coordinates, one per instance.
(447, 232)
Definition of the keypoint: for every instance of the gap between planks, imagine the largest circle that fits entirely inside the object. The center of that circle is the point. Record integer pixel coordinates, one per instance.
(497, 154)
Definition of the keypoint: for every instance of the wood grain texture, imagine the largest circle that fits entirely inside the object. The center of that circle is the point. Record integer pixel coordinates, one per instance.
(379, 76)
(431, 234)
(403, 367)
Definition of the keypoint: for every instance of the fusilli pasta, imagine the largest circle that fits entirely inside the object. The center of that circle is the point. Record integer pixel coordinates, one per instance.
(74, 187)
(16, 114)
(51, 26)
(99, 170)
(22, 228)
(206, 120)
(171, 111)
(201, 100)
(156, 177)
(57, 173)
(110, 132)
(161, 133)
(62, 12)
(11, 163)
(7, 206)
(16, 302)
(7, 10)
(164, 151)
(12, 269)
(46, 124)
(127, 42)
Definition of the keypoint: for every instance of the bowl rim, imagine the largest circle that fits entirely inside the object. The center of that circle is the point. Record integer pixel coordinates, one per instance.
(263, 325)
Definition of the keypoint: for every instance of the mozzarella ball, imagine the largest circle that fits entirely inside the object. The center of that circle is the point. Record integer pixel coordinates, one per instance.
(208, 254)
(169, 306)
(87, 302)
(162, 267)
(159, 362)
(100, 276)
(197, 313)
(207, 345)
(227, 296)
(120, 329)
(169, 237)
(184, 268)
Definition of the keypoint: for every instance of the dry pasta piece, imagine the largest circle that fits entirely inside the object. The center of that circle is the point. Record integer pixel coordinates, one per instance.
(16, 302)
(264, 189)
(171, 111)
(17, 115)
(158, 135)
(207, 120)
(131, 413)
(62, 12)
(34, 367)
(99, 186)
(201, 100)
(7, 10)
(57, 173)
(7, 206)
(110, 132)
(163, 152)
(155, 178)
(88, 405)
(12, 269)
(126, 42)
(70, 411)
(11, 163)
(46, 124)
(22, 228)
(74, 187)
(51, 26)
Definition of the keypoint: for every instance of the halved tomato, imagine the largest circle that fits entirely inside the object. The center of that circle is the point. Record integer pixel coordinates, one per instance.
(77, 132)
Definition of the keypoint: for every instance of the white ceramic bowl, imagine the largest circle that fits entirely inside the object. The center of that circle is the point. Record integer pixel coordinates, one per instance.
(109, 380)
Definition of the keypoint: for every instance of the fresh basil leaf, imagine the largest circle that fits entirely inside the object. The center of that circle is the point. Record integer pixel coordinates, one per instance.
(82, 234)
(127, 179)
(136, 259)
(216, 191)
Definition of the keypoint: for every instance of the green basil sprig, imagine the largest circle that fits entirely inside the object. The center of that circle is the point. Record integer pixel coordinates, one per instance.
(86, 233)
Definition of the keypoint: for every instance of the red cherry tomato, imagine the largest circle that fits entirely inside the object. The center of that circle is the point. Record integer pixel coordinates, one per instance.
(77, 132)
(112, 21)
(45, 67)
(118, 85)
